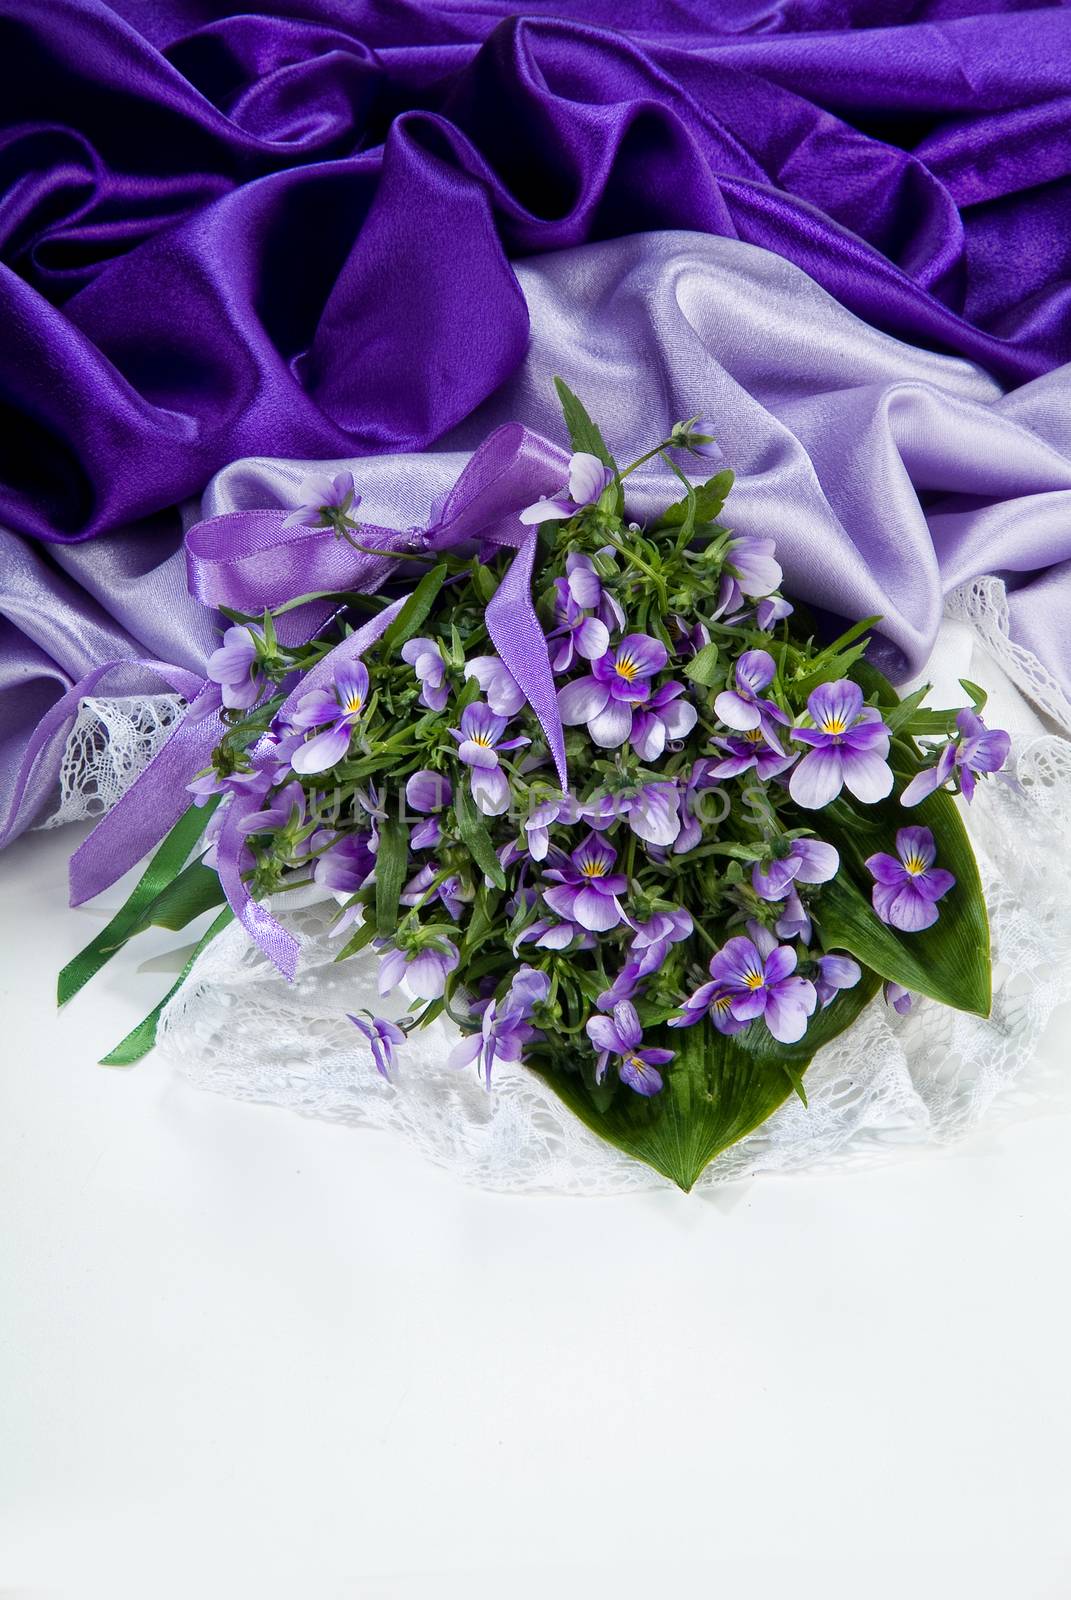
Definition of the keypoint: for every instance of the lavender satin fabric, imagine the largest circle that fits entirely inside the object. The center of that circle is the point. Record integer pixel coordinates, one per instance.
(887, 474)
(243, 234)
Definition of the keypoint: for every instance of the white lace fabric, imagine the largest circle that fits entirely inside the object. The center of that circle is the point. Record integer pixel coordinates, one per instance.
(888, 1085)
(112, 742)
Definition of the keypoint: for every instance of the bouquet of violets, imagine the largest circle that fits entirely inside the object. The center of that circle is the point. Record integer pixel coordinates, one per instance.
(662, 879)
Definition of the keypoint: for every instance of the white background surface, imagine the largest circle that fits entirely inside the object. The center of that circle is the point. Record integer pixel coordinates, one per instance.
(242, 1352)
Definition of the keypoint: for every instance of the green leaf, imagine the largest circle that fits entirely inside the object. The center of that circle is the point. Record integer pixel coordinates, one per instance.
(717, 1090)
(128, 920)
(705, 666)
(475, 836)
(415, 611)
(391, 859)
(140, 1040)
(710, 497)
(583, 433)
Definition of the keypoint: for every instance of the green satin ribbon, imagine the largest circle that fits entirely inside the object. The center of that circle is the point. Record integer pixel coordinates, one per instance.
(162, 870)
(140, 1040)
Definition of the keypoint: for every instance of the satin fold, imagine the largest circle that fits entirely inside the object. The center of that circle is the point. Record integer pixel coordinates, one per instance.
(254, 234)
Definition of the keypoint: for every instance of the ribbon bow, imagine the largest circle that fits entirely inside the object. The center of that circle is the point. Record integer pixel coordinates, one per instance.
(249, 561)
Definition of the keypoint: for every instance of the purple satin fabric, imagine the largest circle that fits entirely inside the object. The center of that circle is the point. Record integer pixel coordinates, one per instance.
(887, 474)
(255, 234)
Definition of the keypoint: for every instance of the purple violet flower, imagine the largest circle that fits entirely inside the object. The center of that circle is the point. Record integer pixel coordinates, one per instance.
(743, 708)
(425, 970)
(664, 717)
(479, 741)
(620, 678)
(834, 974)
(620, 1035)
(449, 891)
(427, 792)
(580, 633)
(849, 745)
(506, 1026)
(772, 610)
(286, 809)
(653, 938)
(751, 570)
(586, 889)
(691, 830)
(898, 997)
(548, 935)
(339, 709)
(233, 667)
(752, 978)
(382, 1035)
(698, 437)
(326, 501)
(793, 921)
(425, 658)
(906, 892)
(807, 861)
(542, 817)
(977, 750)
(623, 987)
(751, 750)
(501, 689)
(588, 477)
(346, 864)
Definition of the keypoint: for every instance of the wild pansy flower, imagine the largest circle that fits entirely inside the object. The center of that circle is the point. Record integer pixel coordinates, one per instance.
(663, 717)
(505, 1025)
(652, 812)
(326, 502)
(542, 817)
(382, 1035)
(346, 864)
(620, 1035)
(427, 792)
(743, 706)
(794, 921)
(339, 709)
(805, 861)
(449, 892)
(423, 966)
(771, 610)
(906, 891)
(698, 437)
(586, 888)
(623, 987)
(479, 741)
(748, 751)
(588, 477)
(750, 569)
(589, 592)
(500, 688)
(425, 658)
(284, 812)
(978, 750)
(581, 634)
(849, 744)
(652, 939)
(756, 977)
(834, 974)
(900, 999)
(618, 680)
(233, 667)
(548, 935)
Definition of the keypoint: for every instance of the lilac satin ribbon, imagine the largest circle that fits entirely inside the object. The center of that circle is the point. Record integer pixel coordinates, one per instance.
(248, 561)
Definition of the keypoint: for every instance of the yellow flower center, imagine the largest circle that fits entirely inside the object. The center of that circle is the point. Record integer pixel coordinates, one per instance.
(353, 705)
(481, 739)
(915, 865)
(634, 1061)
(754, 980)
(834, 725)
(753, 736)
(593, 869)
(626, 668)
(722, 1003)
